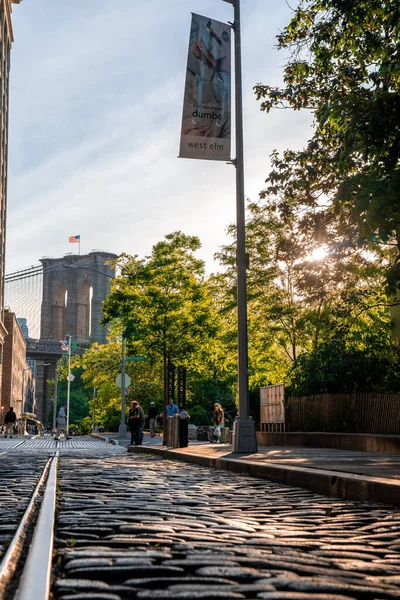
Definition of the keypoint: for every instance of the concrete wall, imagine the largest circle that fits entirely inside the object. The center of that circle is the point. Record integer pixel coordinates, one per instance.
(362, 442)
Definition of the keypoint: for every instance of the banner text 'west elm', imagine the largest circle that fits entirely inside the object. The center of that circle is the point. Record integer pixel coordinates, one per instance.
(206, 119)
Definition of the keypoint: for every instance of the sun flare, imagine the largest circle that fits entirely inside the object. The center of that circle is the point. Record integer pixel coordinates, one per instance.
(318, 253)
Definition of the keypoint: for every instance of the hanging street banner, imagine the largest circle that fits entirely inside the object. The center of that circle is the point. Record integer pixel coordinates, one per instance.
(206, 118)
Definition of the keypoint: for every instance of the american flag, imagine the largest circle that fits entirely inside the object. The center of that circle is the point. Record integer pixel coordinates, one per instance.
(74, 239)
(64, 345)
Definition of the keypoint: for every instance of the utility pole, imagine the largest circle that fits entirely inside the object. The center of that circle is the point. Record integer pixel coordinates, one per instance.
(69, 338)
(55, 397)
(93, 410)
(122, 426)
(244, 430)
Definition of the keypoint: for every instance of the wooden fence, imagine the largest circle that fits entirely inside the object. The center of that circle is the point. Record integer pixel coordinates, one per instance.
(344, 413)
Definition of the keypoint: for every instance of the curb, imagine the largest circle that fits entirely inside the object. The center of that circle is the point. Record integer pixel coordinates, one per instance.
(105, 438)
(346, 486)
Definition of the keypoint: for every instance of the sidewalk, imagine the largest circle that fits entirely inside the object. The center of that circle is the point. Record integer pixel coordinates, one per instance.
(345, 474)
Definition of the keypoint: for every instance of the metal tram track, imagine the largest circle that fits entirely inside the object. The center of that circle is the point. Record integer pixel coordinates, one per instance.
(25, 570)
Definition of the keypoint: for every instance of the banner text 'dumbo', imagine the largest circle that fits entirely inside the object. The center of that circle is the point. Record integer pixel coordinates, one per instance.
(206, 118)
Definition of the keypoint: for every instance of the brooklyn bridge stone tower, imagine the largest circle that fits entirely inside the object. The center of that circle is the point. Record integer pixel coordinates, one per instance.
(74, 288)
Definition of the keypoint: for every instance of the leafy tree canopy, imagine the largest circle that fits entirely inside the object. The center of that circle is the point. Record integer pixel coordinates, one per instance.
(297, 302)
(162, 301)
(337, 367)
(344, 66)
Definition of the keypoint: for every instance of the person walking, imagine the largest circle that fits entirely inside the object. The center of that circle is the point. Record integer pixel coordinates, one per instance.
(152, 414)
(171, 408)
(136, 423)
(62, 422)
(9, 421)
(219, 422)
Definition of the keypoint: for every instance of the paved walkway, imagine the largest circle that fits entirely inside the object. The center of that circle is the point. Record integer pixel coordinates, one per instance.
(343, 461)
(345, 474)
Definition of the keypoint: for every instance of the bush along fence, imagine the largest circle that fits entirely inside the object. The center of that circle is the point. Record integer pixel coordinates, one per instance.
(344, 413)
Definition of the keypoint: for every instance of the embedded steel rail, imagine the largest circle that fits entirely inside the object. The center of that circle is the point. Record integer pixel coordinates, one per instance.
(11, 557)
(35, 579)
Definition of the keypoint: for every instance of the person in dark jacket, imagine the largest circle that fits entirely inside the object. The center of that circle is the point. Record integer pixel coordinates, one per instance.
(152, 414)
(9, 421)
(136, 423)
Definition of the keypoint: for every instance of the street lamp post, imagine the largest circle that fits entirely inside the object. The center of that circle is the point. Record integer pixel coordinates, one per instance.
(69, 338)
(122, 426)
(93, 410)
(245, 440)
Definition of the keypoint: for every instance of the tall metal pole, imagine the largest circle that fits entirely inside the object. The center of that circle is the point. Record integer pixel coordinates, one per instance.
(122, 426)
(93, 410)
(245, 440)
(22, 392)
(69, 338)
(55, 397)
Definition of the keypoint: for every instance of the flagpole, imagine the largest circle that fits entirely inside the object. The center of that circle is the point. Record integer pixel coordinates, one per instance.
(69, 380)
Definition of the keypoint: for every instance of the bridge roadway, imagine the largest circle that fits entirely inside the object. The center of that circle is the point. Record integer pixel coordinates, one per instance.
(139, 526)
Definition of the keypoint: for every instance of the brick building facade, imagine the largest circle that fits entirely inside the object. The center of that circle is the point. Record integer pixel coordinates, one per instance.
(17, 377)
(6, 39)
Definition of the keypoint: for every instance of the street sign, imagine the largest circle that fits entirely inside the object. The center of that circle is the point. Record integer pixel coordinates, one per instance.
(118, 381)
(135, 358)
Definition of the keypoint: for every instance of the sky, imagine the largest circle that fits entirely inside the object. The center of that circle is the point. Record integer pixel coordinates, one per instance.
(96, 90)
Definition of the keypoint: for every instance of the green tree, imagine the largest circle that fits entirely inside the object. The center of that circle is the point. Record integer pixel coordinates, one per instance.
(79, 395)
(163, 304)
(343, 67)
(101, 364)
(340, 366)
(297, 303)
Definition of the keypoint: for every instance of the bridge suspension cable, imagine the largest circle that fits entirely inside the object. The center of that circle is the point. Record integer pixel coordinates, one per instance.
(23, 296)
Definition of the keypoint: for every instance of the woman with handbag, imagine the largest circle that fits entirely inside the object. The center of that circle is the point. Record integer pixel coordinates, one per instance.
(219, 422)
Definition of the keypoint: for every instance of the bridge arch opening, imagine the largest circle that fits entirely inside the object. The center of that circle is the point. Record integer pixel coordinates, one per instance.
(59, 310)
(84, 311)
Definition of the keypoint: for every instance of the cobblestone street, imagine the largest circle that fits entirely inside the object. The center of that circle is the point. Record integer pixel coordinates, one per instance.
(135, 526)
(19, 476)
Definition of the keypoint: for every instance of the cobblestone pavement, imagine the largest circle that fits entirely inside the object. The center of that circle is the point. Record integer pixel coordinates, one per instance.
(19, 477)
(136, 526)
(22, 460)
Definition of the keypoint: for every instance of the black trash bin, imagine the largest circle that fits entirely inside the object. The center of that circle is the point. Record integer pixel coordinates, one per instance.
(183, 431)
